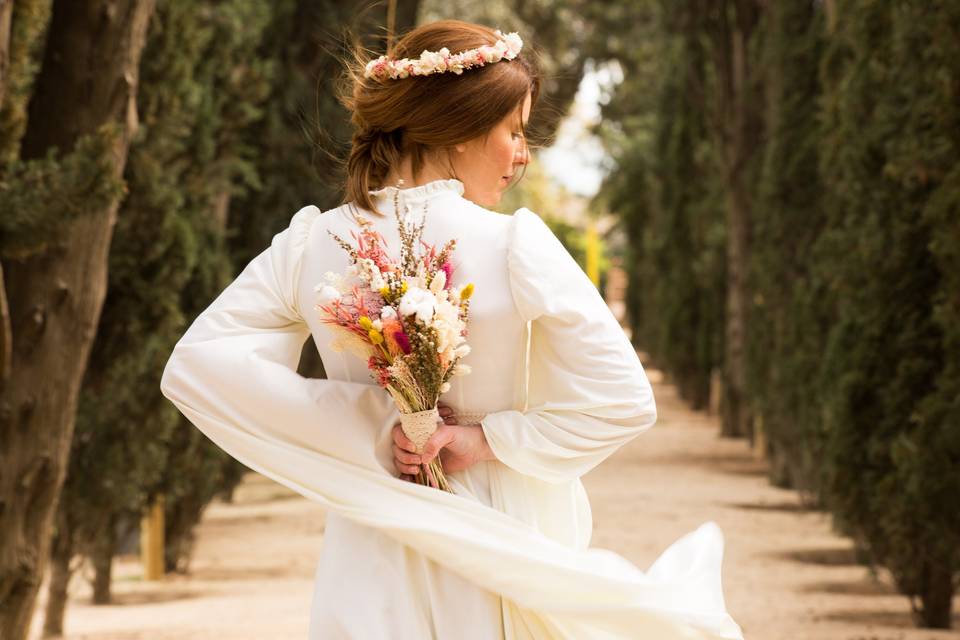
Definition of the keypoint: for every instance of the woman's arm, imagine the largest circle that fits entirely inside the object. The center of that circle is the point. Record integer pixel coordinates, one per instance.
(588, 393)
(233, 373)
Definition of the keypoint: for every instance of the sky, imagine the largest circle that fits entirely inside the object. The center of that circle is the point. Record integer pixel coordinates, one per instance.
(577, 158)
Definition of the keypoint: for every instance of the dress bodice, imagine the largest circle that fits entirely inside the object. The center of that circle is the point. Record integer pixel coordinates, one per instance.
(497, 335)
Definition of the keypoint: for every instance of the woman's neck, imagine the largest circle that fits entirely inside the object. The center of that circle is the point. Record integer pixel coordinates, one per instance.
(429, 172)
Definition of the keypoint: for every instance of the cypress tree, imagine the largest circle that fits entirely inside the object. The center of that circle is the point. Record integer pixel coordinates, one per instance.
(890, 159)
(200, 85)
(291, 153)
(665, 191)
(55, 283)
(787, 321)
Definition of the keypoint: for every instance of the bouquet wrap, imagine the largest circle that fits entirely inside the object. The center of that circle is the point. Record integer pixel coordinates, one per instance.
(419, 426)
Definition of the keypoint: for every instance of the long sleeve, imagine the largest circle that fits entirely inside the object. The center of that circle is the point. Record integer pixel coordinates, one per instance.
(233, 373)
(587, 391)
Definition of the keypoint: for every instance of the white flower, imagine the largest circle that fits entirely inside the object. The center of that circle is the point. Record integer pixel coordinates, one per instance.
(326, 294)
(420, 280)
(462, 350)
(377, 282)
(368, 269)
(445, 387)
(433, 61)
(446, 322)
(438, 282)
(418, 301)
(337, 281)
(513, 41)
(490, 54)
(462, 369)
(377, 324)
(388, 312)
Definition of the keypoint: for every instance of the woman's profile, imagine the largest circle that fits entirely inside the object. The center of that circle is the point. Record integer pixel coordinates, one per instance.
(555, 386)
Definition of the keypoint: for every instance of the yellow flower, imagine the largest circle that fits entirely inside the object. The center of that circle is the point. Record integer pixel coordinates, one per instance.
(375, 336)
(384, 291)
(403, 287)
(467, 292)
(366, 323)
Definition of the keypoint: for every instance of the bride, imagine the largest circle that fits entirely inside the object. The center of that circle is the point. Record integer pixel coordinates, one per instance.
(555, 386)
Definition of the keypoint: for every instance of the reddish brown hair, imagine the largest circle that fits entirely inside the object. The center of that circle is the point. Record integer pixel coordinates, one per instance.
(394, 118)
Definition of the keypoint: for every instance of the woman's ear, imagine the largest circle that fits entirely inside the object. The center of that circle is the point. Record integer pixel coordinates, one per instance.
(460, 147)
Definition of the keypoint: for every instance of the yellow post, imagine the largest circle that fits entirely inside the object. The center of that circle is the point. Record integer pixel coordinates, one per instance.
(593, 254)
(151, 541)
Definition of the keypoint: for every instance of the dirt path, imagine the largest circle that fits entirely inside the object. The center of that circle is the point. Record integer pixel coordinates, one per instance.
(787, 577)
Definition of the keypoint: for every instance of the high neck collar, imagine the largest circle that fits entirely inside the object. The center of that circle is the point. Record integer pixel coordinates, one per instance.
(423, 192)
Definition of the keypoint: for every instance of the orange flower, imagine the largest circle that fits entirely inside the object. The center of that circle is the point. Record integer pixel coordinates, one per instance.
(397, 341)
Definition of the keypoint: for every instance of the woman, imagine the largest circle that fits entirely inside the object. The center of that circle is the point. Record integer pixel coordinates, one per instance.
(555, 386)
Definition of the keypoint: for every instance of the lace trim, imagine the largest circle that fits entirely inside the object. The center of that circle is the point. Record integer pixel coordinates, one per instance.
(469, 417)
(412, 194)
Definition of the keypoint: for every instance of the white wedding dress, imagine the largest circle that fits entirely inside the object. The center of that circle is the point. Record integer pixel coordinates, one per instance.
(557, 388)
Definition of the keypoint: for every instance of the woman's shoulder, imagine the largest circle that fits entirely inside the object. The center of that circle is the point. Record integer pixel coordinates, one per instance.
(482, 212)
(293, 238)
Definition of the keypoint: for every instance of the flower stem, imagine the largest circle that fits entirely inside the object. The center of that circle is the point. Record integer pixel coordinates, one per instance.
(436, 471)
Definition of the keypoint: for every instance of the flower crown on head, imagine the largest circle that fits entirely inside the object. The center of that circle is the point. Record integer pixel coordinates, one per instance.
(507, 47)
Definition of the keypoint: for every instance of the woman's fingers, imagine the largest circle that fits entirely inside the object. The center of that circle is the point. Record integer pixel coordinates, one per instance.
(401, 440)
(405, 457)
(446, 413)
(405, 461)
(408, 469)
(440, 438)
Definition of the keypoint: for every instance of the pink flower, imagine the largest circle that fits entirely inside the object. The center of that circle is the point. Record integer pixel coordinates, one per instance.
(448, 271)
(380, 369)
(402, 340)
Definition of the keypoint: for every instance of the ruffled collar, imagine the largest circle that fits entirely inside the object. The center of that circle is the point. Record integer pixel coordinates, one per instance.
(423, 192)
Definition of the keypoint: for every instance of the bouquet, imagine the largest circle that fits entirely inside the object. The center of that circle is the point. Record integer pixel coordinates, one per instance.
(406, 319)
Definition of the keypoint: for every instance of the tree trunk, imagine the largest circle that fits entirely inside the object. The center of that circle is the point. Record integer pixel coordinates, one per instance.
(6, 337)
(102, 557)
(936, 596)
(88, 79)
(735, 417)
(739, 123)
(61, 554)
(6, 13)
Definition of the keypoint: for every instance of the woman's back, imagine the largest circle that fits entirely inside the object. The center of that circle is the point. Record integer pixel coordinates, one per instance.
(496, 329)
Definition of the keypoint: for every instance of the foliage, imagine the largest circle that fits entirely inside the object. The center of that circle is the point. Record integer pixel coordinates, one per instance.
(198, 88)
(666, 191)
(38, 194)
(890, 159)
(28, 31)
(788, 323)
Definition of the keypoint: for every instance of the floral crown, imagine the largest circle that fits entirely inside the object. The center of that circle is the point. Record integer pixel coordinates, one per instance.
(507, 47)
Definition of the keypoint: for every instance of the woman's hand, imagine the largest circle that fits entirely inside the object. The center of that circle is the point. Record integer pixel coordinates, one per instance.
(459, 447)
